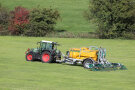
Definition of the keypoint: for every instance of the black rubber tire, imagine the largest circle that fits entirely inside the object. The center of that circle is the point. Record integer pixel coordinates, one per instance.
(50, 60)
(87, 62)
(28, 57)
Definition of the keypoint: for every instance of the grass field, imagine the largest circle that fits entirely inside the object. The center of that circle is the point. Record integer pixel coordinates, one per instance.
(18, 74)
(71, 12)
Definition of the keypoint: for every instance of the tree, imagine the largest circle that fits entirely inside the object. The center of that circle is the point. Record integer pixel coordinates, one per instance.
(114, 18)
(42, 21)
(18, 20)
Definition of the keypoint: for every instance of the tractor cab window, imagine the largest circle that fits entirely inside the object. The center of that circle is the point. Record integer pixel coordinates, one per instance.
(49, 46)
(46, 46)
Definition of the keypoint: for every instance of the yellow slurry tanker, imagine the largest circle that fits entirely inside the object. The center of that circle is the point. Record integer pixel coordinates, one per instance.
(92, 58)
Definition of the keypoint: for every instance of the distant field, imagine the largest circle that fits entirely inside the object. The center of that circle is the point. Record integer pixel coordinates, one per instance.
(17, 74)
(71, 12)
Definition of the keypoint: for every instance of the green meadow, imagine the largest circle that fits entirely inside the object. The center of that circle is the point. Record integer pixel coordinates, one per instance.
(18, 74)
(71, 11)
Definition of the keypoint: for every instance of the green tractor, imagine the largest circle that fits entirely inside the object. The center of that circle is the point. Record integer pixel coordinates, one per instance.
(46, 52)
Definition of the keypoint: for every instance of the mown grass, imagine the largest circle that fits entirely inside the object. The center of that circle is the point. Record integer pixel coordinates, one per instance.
(71, 11)
(18, 74)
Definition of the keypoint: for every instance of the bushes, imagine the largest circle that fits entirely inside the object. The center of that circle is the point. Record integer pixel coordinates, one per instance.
(4, 17)
(42, 21)
(21, 21)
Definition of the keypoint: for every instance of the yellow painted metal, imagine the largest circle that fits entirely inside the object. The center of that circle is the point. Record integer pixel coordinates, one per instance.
(83, 53)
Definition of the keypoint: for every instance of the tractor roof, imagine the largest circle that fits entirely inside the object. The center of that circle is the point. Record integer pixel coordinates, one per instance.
(46, 41)
(50, 42)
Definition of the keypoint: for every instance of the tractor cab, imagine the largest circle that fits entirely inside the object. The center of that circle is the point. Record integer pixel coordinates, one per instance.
(47, 45)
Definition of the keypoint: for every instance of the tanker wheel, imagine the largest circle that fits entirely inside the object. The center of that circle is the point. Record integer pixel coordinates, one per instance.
(46, 57)
(86, 63)
(29, 57)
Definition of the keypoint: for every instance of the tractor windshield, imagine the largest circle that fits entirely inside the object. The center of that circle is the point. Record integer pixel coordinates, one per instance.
(47, 46)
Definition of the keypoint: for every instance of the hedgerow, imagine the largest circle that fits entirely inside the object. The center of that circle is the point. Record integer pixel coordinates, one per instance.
(21, 21)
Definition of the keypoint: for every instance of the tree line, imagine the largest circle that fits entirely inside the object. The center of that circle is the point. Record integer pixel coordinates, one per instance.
(114, 19)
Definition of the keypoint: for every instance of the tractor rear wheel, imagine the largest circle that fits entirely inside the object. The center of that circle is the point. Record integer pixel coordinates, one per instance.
(46, 57)
(29, 57)
(87, 62)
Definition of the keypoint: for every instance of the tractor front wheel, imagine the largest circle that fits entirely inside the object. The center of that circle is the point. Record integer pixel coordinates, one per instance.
(46, 57)
(29, 57)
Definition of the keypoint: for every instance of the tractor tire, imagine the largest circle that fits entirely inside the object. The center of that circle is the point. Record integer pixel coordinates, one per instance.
(29, 57)
(46, 57)
(87, 62)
